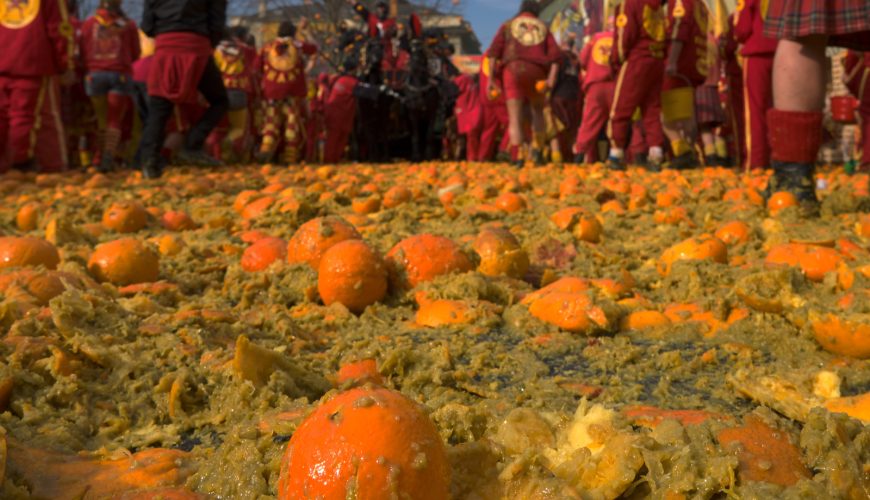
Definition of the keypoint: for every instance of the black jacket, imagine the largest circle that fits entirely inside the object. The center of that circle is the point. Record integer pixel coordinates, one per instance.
(204, 17)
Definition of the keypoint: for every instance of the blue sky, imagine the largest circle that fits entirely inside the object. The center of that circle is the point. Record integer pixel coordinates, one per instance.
(486, 16)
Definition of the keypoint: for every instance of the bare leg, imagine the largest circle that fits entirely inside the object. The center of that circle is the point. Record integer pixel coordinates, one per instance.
(799, 74)
(515, 121)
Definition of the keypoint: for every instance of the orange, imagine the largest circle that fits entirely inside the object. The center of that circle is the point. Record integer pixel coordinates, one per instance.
(257, 207)
(734, 232)
(263, 253)
(369, 444)
(847, 337)
(862, 227)
(122, 262)
(243, 198)
(27, 252)
(396, 195)
(510, 202)
(565, 218)
(177, 221)
(814, 261)
(352, 274)
(500, 254)
(365, 206)
(125, 217)
(614, 206)
(358, 373)
(570, 311)
(588, 229)
(704, 247)
(316, 236)
(764, 454)
(642, 320)
(781, 200)
(423, 258)
(27, 217)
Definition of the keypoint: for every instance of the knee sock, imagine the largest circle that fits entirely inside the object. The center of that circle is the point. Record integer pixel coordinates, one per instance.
(795, 136)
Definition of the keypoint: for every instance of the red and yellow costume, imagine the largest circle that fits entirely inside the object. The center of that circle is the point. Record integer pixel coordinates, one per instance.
(639, 53)
(37, 43)
(525, 48)
(109, 45)
(857, 79)
(237, 63)
(598, 87)
(283, 88)
(757, 51)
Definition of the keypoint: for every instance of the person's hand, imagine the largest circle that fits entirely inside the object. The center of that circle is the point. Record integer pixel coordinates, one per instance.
(671, 69)
(551, 82)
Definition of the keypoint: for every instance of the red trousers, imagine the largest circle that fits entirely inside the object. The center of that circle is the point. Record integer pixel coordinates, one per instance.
(30, 123)
(495, 123)
(338, 125)
(596, 110)
(639, 85)
(758, 96)
(864, 111)
(737, 117)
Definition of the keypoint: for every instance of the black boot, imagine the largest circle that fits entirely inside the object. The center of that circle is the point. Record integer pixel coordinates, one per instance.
(196, 158)
(616, 164)
(798, 179)
(152, 169)
(685, 161)
(537, 157)
(579, 158)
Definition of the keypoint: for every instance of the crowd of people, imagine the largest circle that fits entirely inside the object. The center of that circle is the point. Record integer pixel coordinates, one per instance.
(659, 86)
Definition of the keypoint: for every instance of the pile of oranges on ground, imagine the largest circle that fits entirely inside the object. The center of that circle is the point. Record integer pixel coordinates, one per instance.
(436, 330)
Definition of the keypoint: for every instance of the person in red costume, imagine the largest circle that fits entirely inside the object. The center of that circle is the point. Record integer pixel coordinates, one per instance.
(685, 70)
(528, 54)
(37, 48)
(109, 45)
(494, 116)
(757, 51)
(598, 86)
(185, 33)
(469, 114)
(734, 98)
(283, 87)
(805, 28)
(236, 60)
(339, 114)
(857, 80)
(639, 54)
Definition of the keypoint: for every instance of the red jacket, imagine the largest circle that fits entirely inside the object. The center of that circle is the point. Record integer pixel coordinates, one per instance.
(640, 31)
(237, 63)
(687, 23)
(525, 38)
(109, 43)
(857, 74)
(340, 103)
(36, 39)
(468, 110)
(282, 66)
(749, 29)
(595, 59)
(486, 73)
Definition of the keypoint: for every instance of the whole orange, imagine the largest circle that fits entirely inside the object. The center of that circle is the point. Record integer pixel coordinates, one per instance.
(367, 443)
(123, 262)
(352, 274)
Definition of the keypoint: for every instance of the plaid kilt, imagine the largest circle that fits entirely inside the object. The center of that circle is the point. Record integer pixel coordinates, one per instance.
(846, 21)
(708, 106)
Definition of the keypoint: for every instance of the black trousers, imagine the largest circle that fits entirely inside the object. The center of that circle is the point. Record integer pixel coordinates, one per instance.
(211, 86)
